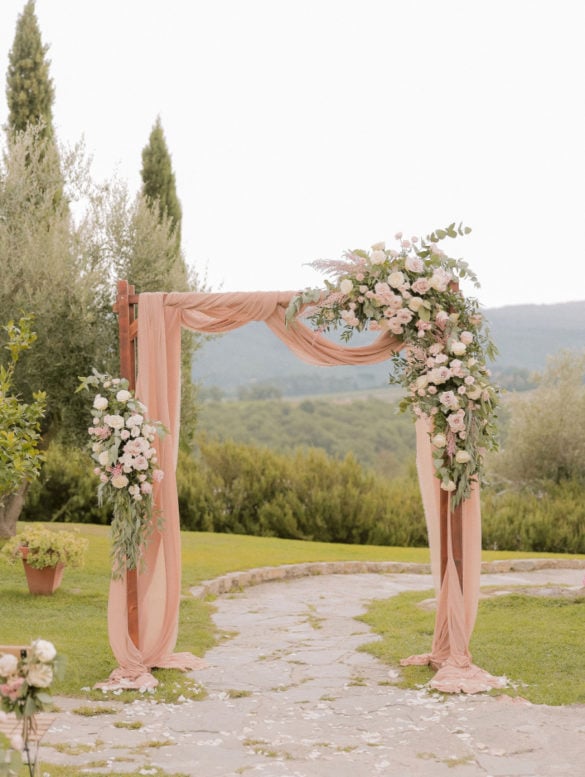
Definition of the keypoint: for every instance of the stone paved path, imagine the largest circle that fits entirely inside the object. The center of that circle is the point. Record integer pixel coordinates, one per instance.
(290, 695)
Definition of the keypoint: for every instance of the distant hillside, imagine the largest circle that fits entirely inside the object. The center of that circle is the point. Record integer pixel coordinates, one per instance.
(252, 357)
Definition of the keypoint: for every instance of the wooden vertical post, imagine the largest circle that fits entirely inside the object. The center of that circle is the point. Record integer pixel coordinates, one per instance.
(451, 524)
(124, 307)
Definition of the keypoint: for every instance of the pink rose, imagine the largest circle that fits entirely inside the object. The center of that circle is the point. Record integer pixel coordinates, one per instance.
(421, 286)
(449, 399)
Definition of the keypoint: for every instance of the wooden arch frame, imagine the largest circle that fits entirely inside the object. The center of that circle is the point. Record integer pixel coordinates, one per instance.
(126, 307)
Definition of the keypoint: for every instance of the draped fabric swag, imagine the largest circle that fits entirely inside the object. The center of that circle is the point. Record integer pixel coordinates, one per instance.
(160, 319)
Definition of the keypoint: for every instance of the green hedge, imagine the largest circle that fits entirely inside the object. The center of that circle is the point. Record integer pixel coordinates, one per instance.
(237, 488)
(309, 495)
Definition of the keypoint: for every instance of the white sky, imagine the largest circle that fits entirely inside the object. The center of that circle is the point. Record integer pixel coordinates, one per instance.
(301, 128)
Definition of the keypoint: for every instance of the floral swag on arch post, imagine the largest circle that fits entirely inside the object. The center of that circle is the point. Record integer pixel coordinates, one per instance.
(438, 346)
(413, 292)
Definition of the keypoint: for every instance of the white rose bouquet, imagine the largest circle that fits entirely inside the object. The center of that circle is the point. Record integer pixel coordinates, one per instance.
(123, 445)
(412, 292)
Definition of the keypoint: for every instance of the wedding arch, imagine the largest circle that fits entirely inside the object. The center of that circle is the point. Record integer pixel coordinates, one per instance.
(143, 605)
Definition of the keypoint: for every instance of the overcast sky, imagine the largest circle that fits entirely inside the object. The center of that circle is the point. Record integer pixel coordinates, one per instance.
(301, 128)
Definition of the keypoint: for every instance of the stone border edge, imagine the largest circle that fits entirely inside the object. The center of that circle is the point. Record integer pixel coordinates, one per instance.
(236, 581)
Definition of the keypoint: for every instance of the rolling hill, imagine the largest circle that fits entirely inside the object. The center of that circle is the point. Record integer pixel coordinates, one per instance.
(252, 361)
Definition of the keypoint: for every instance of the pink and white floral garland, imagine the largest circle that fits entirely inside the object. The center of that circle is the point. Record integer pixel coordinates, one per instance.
(412, 292)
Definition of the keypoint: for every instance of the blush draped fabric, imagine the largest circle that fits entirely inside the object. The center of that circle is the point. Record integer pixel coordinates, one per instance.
(160, 319)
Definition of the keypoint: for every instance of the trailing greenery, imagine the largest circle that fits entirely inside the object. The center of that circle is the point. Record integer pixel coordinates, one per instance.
(534, 641)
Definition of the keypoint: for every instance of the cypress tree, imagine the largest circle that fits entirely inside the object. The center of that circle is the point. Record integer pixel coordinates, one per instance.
(158, 180)
(159, 192)
(29, 88)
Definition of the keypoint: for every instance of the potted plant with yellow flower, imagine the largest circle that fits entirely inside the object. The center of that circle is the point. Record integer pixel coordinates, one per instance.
(45, 553)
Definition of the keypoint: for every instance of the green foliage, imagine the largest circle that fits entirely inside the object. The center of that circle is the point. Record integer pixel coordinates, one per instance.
(65, 489)
(159, 195)
(552, 520)
(380, 439)
(20, 457)
(46, 547)
(546, 434)
(29, 88)
(158, 180)
(50, 269)
(242, 489)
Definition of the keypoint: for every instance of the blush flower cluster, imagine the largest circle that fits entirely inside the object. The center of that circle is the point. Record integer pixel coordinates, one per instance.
(24, 681)
(123, 446)
(412, 293)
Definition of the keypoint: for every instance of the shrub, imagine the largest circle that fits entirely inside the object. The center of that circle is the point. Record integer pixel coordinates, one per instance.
(232, 487)
(66, 489)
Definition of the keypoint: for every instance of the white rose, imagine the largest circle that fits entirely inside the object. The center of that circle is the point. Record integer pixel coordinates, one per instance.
(378, 257)
(123, 395)
(440, 280)
(449, 486)
(346, 286)
(422, 381)
(414, 264)
(439, 440)
(466, 337)
(379, 246)
(40, 675)
(8, 664)
(104, 458)
(474, 393)
(114, 421)
(43, 650)
(462, 457)
(458, 348)
(100, 403)
(415, 304)
(120, 481)
(396, 279)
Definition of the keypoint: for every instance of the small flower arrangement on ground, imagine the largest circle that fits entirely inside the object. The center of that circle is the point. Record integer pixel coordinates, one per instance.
(24, 681)
(24, 689)
(412, 292)
(43, 547)
(122, 443)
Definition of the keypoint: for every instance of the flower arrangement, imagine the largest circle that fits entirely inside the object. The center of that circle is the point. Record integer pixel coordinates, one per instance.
(412, 292)
(122, 443)
(24, 690)
(24, 681)
(43, 547)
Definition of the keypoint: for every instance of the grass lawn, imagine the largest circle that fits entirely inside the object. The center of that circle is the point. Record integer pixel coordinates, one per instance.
(75, 616)
(536, 642)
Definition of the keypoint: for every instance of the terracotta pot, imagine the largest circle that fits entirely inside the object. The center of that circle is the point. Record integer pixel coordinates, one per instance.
(42, 581)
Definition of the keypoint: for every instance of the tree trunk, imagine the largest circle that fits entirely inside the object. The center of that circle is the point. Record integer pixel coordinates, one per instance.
(10, 509)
